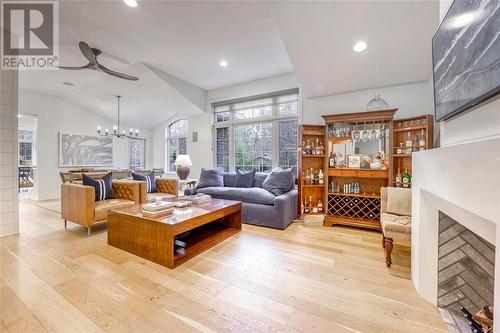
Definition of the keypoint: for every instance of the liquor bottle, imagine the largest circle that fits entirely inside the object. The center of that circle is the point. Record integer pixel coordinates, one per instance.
(421, 142)
(416, 143)
(316, 148)
(408, 142)
(399, 179)
(331, 161)
(321, 177)
(316, 177)
(306, 206)
(320, 206)
(406, 179)
(308, 147)
(302, 208)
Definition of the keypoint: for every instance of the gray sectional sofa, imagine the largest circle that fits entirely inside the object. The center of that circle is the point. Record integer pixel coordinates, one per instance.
(259, 206)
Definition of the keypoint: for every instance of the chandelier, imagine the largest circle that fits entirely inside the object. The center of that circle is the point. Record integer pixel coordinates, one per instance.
(117, 132)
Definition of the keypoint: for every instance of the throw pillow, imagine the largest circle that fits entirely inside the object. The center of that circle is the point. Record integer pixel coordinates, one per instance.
(211, 178)
(103, 187)
(149, 179)
(229, 179)
(399, 201)
(244, 179)
(279, 181)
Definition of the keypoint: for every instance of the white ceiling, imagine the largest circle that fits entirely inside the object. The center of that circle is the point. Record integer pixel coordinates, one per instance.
(187, 39)
(319, 37)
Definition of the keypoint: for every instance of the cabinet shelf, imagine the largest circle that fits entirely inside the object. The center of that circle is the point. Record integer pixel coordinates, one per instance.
(360, 195)
(313, 185)
(312, 155)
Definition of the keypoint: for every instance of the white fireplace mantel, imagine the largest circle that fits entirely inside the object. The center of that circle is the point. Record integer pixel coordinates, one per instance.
(462, 181)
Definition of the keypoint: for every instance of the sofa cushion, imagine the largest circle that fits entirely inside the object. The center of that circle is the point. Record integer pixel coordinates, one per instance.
(102, 207)
(259, 178)
(396, 226)
(149, 179)
(244, 179)
(103, 187)
(211, 178)
(279, 181)
(229, 179)
(251, 194)
(399, 201)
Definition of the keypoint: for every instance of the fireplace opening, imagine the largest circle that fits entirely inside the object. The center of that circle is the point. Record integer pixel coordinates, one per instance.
(466, 275)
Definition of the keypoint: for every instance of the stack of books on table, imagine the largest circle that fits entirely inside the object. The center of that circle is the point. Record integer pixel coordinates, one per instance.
(154, 209)
(197, 198)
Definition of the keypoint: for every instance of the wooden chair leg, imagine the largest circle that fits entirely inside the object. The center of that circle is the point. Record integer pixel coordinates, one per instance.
(383, 241)
(65, 224)
(388, 251)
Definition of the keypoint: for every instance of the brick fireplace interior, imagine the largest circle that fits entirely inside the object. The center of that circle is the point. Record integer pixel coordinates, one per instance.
(466, 266)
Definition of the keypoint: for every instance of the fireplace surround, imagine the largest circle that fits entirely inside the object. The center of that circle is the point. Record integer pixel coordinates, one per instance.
(462, 182)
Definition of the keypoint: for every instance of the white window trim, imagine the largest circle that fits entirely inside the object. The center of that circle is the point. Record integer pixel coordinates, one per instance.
(167, 137)
(143, 152)
(275, 119)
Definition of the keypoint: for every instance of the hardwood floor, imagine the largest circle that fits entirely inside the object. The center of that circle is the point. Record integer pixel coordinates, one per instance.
(308, 278)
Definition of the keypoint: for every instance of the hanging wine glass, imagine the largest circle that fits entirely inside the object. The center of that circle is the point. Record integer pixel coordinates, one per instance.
(364, 134)
(374, 133)
(356, 134)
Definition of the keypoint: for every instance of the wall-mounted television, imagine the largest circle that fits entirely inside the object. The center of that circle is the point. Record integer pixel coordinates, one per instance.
(466, 56)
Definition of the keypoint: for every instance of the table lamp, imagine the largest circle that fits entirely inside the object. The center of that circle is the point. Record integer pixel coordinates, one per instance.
(183, 163)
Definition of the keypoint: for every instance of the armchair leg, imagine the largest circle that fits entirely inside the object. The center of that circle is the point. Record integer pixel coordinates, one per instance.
(388, 251)
(88, 231)
(383, 241)
(65, 224)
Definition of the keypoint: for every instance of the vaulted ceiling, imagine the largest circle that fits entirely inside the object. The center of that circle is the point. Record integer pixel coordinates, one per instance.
(164, 41)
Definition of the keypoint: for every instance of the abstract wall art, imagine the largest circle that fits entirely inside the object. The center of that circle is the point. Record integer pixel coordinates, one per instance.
(84, 151)
(466, 56)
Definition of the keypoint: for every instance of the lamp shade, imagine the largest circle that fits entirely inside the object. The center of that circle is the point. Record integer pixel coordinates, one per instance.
(183, 160)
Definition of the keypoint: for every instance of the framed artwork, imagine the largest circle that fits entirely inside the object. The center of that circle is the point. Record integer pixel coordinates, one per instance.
(353, 161)
(85, 151)
(466, 57)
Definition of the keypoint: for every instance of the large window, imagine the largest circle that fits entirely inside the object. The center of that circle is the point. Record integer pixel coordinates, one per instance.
(136, 154)
(257, 133)
(25, 147)
(176, 141)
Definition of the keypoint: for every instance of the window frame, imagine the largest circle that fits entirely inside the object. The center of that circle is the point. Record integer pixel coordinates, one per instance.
(143, 166)
(168, 137)
(275, 119)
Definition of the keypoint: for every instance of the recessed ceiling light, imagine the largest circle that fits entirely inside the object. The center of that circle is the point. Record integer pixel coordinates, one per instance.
(223, 63)
(68, 83)
(359, 46)
(130, 3)
(462, 20)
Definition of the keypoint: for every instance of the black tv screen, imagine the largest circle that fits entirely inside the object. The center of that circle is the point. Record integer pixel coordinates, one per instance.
(466, 56)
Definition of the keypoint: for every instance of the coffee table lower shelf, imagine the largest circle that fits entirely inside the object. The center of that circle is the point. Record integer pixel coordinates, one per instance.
(153, 239)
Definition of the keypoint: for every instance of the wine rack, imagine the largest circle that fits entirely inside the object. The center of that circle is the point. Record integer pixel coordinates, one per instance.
(358, 209)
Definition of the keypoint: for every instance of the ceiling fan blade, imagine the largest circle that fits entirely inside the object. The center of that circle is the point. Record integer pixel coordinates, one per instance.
(120, 75)
(87, 52)
(88, 66)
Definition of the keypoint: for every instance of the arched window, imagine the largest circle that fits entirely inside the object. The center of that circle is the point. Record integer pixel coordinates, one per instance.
(177, 133)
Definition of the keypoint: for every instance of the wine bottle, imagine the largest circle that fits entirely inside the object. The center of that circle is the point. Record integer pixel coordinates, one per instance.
(399, 178)
(408, 142)
(406, 179)
(320, 206)
(416, 143)
(331, 161)
(306, 206)
(321, 177)
(421, 142)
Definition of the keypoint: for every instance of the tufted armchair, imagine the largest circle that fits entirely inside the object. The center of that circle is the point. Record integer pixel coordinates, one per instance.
(78, 205)
(164, 186)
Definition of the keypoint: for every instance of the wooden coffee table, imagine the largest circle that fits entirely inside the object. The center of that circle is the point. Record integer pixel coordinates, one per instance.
(153, 238)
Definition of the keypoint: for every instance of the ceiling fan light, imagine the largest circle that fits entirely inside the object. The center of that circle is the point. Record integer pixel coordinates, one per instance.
(130, 3)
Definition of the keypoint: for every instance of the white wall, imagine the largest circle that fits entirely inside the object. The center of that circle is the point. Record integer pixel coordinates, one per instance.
(481, 123)
(9, 215)
(56, 115)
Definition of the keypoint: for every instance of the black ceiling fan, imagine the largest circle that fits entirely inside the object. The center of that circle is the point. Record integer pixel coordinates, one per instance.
(91, 55)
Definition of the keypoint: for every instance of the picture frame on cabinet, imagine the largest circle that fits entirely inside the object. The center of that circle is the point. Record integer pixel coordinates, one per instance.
(353, 161)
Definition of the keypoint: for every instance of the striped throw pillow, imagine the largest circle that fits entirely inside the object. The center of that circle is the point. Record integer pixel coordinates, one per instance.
(103, 187)
(149, 179)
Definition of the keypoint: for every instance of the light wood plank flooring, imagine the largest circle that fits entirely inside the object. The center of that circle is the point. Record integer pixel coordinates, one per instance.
(307, 278)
